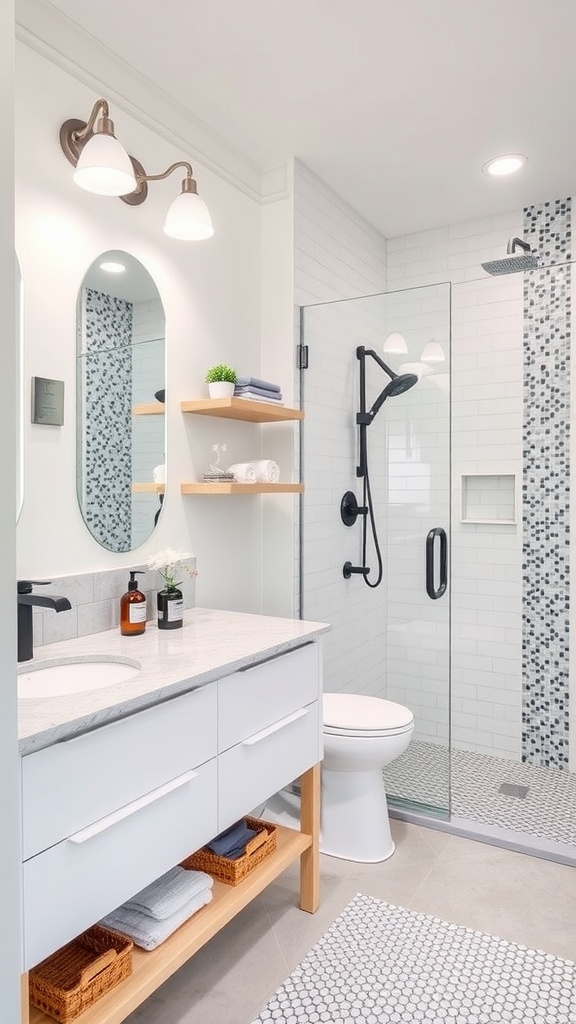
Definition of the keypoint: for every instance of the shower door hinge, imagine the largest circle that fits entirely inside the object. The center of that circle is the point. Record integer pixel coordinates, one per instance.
(302, 357)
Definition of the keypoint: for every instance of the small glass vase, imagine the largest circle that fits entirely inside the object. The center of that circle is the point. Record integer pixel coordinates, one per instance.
(170, 608)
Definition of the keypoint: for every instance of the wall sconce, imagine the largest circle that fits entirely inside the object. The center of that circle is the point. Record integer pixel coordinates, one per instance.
(433, 353)
(395, 344)
(104, 167)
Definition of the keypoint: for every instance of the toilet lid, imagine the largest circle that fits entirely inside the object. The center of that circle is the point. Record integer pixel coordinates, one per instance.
(358, 712)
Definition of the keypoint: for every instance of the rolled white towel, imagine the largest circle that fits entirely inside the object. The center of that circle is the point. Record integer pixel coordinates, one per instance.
(267, 471)
(244, 472)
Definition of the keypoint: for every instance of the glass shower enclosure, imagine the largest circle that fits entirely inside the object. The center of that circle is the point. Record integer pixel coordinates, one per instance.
(381, 577)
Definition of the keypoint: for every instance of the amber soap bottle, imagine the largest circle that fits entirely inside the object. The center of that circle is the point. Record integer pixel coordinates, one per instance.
(133, 607)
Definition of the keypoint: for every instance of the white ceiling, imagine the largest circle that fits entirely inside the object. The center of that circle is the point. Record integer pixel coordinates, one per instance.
(394, 103)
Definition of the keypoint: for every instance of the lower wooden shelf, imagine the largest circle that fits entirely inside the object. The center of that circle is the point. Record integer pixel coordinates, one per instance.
(151, 969)
(213, 487)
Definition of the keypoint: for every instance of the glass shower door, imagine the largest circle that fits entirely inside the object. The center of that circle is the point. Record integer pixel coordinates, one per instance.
(392, 639)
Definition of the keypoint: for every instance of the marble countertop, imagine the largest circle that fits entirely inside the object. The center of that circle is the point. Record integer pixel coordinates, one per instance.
(210, 645)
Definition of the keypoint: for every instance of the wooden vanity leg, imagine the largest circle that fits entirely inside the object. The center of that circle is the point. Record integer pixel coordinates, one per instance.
(24, 999)
(310, 823)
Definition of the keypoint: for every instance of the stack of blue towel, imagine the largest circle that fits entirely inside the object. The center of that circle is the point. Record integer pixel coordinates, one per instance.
(153, 914)
(258, 390)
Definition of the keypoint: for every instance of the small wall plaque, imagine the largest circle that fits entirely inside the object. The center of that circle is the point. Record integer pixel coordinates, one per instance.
(47, 401)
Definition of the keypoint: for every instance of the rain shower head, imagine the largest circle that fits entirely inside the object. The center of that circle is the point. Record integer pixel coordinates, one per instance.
(513, 264)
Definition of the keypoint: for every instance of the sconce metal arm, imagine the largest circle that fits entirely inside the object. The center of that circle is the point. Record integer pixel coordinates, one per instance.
(82, 134)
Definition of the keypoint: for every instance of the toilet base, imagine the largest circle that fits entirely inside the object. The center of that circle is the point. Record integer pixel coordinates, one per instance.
(354, 817)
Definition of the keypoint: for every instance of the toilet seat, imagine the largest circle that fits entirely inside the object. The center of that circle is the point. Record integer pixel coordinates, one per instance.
(352, 714)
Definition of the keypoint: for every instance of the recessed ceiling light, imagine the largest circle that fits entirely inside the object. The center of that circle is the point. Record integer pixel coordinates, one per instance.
(112, 267)
(501, 165)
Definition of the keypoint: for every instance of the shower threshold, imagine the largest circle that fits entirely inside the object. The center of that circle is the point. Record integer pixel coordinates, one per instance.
(492, 835)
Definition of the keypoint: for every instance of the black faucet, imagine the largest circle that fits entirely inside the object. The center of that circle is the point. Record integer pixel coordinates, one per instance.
(25, 601)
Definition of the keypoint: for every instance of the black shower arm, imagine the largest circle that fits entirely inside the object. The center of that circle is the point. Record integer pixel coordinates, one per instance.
(364, 418)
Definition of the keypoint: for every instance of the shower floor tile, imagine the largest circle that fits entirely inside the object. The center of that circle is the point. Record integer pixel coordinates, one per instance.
(488, 790)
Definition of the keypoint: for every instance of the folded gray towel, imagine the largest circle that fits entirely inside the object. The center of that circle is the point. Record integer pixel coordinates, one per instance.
(169, 893)
(147, 932)
(243, 382)
(272, 396)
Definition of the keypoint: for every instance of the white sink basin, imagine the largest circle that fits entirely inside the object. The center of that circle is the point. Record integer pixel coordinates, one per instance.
(56, 679)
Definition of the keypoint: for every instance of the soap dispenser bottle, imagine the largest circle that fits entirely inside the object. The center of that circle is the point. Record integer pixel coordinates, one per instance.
(133, 608)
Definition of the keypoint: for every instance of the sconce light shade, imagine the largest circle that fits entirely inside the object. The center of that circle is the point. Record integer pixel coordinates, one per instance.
(395, 344)
(188, 218)
(433, 353)
(104, 167)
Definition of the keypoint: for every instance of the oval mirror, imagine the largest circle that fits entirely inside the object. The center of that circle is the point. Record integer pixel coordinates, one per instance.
(121, 375)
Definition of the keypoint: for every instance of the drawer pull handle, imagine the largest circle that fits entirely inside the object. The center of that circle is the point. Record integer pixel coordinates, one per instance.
(125, 812)
(274, 728)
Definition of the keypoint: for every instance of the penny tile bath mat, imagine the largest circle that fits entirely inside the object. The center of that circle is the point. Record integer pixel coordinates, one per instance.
(381, 964)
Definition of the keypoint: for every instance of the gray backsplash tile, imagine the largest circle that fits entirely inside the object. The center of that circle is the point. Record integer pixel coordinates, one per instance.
(59, 626)
(95, 599)
(96, 617)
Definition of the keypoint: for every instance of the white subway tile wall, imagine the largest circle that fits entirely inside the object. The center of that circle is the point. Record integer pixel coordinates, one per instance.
(337, 256)
(486, 559)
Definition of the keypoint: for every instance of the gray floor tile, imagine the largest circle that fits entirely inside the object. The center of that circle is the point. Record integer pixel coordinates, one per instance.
(515, 897)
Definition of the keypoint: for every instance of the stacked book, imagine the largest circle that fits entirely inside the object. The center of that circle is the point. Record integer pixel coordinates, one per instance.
(257, 390)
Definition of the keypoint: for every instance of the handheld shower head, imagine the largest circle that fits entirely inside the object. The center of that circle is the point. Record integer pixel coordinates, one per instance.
(400, 383)
(513, 264)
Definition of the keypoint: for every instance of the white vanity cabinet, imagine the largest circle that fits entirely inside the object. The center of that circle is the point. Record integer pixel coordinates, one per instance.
(108, 811)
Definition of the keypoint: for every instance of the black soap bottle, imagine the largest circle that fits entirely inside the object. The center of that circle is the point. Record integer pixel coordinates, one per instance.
(133, 608)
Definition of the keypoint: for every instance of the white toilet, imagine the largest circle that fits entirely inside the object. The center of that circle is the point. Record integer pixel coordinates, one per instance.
(361, 735)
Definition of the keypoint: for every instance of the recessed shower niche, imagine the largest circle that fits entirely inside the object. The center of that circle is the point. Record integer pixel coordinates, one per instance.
(488, 498)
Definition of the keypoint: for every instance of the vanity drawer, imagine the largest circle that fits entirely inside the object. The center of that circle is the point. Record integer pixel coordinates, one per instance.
(74, 884)
(254, 697)
(266, 761)
(71, 784)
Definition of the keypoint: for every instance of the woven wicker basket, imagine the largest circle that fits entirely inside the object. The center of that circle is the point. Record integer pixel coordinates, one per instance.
(74, 977)
(233, 871)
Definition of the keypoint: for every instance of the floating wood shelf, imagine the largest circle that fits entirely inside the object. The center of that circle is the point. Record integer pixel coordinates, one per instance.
(148, 488)
(242, 409)
(151, 969)
(228, 487)
(149, 409)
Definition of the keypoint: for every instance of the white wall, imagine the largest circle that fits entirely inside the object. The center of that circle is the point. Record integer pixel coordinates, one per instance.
(486, 560)
(337, 255)
(211, 295)
(9, 764)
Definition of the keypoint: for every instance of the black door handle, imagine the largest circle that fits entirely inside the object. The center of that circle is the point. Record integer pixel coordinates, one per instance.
(434, 594)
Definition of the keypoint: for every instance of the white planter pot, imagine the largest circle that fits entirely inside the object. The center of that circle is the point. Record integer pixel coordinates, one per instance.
(220, 389)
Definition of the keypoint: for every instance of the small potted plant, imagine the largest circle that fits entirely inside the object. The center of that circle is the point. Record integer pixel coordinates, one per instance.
(221, 380)
(170, 565)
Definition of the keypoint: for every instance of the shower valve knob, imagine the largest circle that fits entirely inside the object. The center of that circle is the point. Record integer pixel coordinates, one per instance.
(350, 509)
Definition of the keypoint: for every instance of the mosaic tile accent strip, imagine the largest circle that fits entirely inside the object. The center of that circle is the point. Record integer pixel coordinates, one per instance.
(548, 810)
(381, 964)
(546, 488)
(107, 420)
